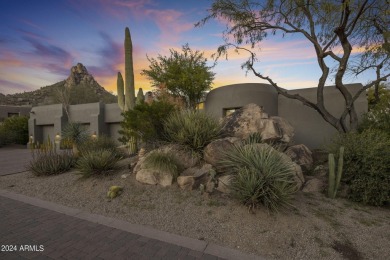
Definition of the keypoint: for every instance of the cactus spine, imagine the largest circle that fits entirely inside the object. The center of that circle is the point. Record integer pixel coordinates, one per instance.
(129, 72)
(140, 97)
(335, 178)
(120, 89)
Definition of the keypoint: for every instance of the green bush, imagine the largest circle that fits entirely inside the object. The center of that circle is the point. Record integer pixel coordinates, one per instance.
(101, 142)
(165, 161)
(49, 162)
(14, 130)
(366, 165)
(145, 122)
(378, 115)
(260, 176)
(96, 162)
(194, 129)
(3, 137)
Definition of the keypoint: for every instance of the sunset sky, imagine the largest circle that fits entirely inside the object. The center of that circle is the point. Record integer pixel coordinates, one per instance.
(40, 40)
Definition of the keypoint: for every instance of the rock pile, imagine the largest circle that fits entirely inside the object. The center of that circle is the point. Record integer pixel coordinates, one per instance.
(209, 174)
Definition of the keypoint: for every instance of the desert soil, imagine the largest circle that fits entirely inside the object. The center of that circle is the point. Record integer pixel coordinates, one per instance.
(318, 227)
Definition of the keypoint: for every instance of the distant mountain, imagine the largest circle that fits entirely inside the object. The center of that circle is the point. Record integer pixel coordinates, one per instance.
(80, 85)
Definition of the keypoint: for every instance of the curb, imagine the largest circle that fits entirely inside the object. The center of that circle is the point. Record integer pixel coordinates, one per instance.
(191, 243)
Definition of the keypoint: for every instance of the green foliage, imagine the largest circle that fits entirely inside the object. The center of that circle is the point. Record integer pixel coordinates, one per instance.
(120, 89)
(378, 116)
(335, 178)
(260, 176)
(194, 129)
(164, 161)
(14, 130)
(46, 161)
(3, 137)
(185, 74)
(129, 72)
(96, 162)
(75, 132)
(254, 138)
(145, 122)
(99, 143)
(366, 165)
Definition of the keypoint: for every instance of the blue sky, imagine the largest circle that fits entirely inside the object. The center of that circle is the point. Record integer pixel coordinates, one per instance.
(41, 40)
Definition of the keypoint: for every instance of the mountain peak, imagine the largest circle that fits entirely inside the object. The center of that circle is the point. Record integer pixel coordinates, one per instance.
(79, 75)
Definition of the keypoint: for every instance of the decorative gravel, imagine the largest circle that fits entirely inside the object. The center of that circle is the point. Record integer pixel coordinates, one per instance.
(317, 228)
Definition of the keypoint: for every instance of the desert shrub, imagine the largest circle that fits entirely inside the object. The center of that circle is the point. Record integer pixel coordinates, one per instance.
(145, 122)
(366, 165)
(165, 161)
(101, 142)
(96, 162)
(75, 132)
(3, 137)
(260, 176)
(15, 130)
(46, 161)
(254, 138)
(378, 115)
(192, 128)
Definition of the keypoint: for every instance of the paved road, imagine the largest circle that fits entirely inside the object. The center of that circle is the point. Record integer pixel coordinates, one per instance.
(14, 159)
(38, 229)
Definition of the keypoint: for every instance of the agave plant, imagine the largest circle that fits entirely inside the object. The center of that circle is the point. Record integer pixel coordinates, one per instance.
(260, 176)
(77, 133)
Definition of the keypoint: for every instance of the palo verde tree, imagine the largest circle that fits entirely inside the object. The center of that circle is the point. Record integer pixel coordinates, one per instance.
(184, 74)
(333, 28)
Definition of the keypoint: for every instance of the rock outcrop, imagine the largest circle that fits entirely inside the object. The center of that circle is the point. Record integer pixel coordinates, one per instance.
(252, 119)
(301, 155)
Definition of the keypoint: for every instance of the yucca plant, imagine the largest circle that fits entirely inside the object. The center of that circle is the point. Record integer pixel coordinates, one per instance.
(260, 176)
(76, 133)
(192, 128)
(164, 161)
(46, 161)
(96, 162)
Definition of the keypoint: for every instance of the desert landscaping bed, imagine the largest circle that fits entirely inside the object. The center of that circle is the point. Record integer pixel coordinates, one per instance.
(318, 227)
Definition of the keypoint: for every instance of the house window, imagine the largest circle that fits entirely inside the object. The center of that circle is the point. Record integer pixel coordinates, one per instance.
(228, 111)
(13, 114)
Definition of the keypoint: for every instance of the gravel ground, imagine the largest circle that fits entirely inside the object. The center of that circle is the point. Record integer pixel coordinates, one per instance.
(319, 228)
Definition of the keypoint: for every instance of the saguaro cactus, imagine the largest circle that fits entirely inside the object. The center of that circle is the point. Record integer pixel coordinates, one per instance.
(120, 89)
(129, 72)
(335, 178)
(140, 97)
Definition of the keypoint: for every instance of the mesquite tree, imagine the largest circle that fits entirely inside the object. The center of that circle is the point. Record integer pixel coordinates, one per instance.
(333, 28)
(185, 74)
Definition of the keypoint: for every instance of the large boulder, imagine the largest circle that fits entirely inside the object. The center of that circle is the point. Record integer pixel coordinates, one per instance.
(213, 152)
(192, 178)
(314, 185)
(252, 119)
(301, 155)
(153, 177)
